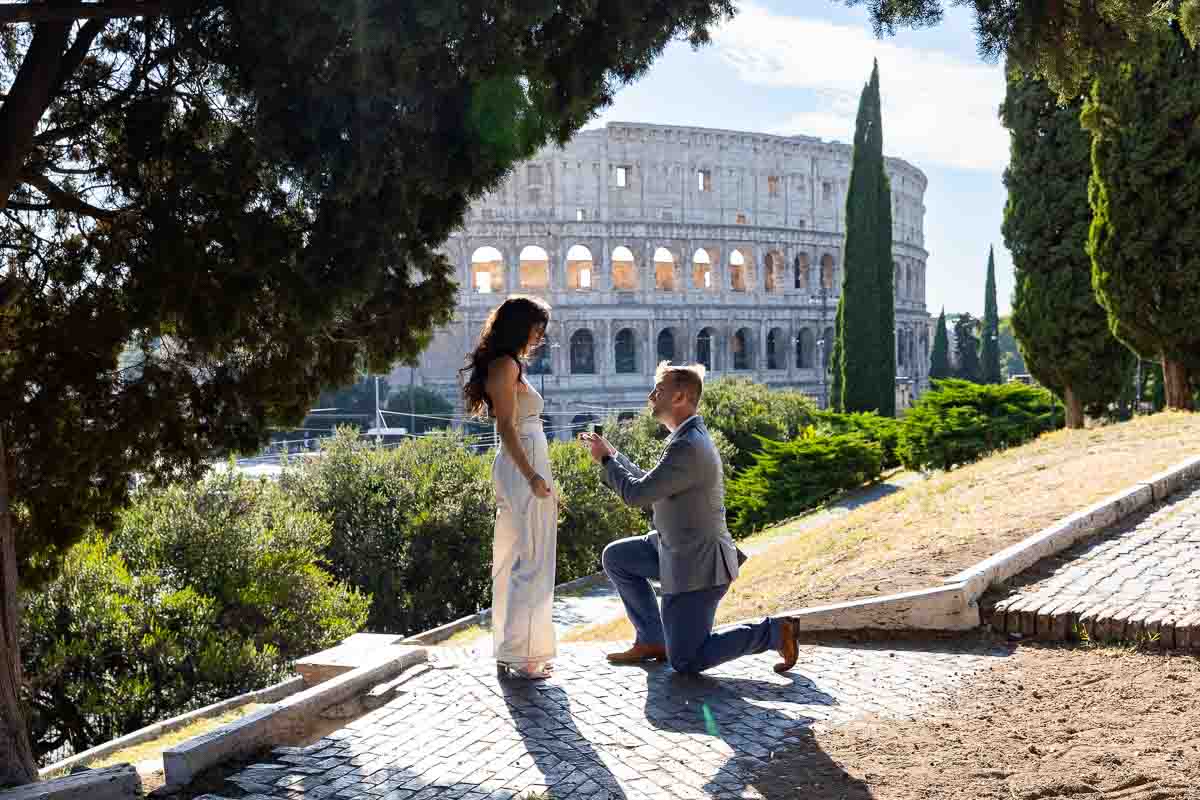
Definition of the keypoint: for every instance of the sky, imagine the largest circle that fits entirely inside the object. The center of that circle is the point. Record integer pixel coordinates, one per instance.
(777, 69)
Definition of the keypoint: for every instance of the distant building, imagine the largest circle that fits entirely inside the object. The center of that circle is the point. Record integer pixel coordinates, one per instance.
(656, 242)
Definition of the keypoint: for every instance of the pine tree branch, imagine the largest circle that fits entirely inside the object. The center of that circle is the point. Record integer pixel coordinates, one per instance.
(38, 12)
(66, 201)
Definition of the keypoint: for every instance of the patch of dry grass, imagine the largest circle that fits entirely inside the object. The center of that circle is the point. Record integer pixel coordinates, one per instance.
(941, 526)
(154, 747)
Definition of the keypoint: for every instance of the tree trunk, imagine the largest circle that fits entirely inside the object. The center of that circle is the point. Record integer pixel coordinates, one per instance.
(17, 765)
(1074, 408)
(1176, 384)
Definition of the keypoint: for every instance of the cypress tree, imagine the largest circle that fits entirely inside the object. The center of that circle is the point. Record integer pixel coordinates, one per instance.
(866, 333)
(939, 359)
(1144, 242)
(989, 346)
(835, 363)
(966, 348)
(1062, 331)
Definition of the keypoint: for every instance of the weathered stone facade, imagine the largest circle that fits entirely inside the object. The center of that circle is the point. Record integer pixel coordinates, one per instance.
(688, 244)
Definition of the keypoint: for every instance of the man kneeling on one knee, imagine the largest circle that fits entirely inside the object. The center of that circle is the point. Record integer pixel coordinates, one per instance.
(691, 552)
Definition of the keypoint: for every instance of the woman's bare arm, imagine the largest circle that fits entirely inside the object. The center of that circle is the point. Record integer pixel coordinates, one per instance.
(503, 375)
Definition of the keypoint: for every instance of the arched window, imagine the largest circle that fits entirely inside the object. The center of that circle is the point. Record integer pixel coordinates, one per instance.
(664, 270)
(535, 269)
(772, 270)
(580, 269)
(776, 354)
(487, 270)
(743, 343)
(826, 271)
(666, 345)
(539, 362)
(806, 349)
(625, 351)
(739, 271)
(827, 355)
(800, 271)
(583, 353)
(706, 342)
(624, 270)
(702, 274)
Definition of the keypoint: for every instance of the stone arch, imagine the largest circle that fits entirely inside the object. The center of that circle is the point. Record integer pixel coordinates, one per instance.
(827, 349)
(806, 349)
(581, 271)
(827, 271)
(534, 269)
(625, 355)
(776, 349)
(742, 347)
(741, 270)
(773, 271)
(800, 271)
(624, 270)
(706, 348)
(664, 270)
(666, 346)
(702, 271)
(583, 353)
(487, 270)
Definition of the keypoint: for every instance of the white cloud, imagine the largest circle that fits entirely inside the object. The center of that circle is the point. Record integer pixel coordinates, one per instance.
(937, 108)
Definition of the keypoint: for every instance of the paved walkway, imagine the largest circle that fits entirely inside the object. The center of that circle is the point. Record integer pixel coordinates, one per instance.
(599, 602)
(599, 732)
(1139, 578)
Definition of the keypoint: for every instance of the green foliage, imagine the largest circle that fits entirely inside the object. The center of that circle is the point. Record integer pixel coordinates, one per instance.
(959, 422)
(966, 349)
(1011, 361)
(203, 593)
(834, 368)
(989, 346)
(412, 525)
(1063, 332)
(742, 411)
(884, 431)
(866, 343)
(269, 193)
(939, 358)
(420, 401)
(1143, 242)
(788, 478)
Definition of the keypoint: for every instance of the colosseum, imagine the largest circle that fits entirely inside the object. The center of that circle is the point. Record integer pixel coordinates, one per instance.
(657, 242)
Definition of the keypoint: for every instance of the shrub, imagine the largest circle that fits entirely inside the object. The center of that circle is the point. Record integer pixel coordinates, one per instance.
(788, 478)
(642, 439)
(412, 525)
(744, 412)
(883, 430)
(202, 594)
(959, 422)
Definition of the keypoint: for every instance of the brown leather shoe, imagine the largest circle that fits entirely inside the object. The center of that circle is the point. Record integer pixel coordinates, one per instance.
(789, 646)
(638, 654)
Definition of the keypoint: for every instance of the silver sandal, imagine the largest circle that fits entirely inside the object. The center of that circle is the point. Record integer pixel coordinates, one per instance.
(523, 672)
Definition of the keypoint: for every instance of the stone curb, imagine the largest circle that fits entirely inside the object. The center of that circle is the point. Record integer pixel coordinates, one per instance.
(1066, 532)
(270, 694)
(183, 762)
(444, 632)
(111, 783)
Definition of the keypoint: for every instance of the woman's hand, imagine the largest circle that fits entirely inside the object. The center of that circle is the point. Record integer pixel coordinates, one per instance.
(539, 485)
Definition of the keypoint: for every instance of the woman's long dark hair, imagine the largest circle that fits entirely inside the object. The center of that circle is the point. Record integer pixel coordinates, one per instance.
(505, 333)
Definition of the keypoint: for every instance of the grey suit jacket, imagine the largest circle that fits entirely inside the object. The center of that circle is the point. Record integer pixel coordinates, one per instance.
(686, 489)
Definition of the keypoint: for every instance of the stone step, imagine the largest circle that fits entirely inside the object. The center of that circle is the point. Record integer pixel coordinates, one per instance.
(1033, 616)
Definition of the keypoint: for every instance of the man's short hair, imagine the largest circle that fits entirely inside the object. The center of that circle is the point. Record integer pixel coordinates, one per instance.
(688, 378)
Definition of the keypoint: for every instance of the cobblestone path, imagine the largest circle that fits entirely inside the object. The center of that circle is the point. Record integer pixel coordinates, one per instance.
(596, 731)
(1139, 578)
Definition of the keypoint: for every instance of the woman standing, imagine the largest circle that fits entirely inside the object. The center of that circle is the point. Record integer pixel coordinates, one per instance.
(524, 544)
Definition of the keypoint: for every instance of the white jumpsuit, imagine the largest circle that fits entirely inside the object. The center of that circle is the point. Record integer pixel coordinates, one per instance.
(523, 548)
